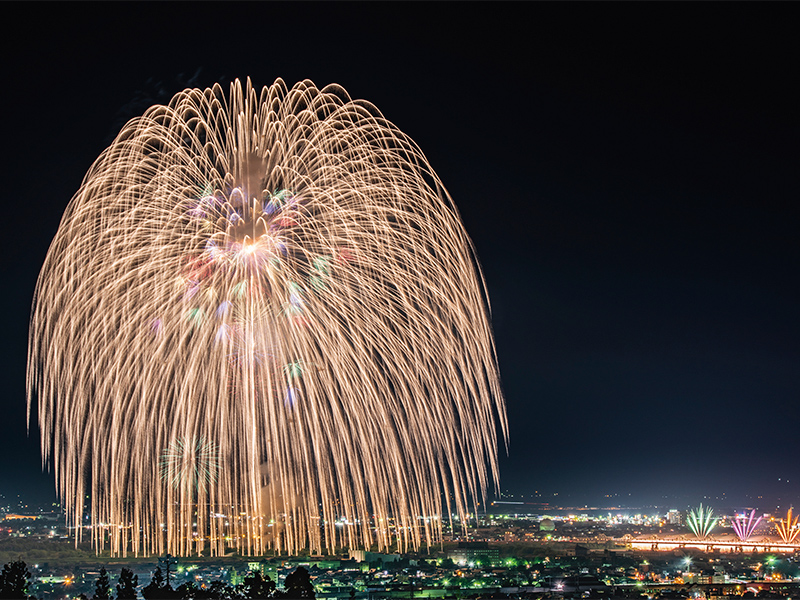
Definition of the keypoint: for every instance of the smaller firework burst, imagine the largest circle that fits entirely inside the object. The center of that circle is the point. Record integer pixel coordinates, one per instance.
(190, 460)
(701, 521)
(744, 526)
(788, 528)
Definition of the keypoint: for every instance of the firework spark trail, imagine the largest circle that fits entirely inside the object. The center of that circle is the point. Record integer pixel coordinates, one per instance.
(283, 276)
(194, 459)
(744, 527)
(701, 521)
(787, 528)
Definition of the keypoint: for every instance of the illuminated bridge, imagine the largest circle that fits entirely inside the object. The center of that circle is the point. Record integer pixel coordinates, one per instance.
(712, 545)
(729, 588)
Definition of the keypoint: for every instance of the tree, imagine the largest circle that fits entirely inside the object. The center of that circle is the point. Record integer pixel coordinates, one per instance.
(157, 589)
(258, 586)
(126, 588)
(188, 591)
(101, 586)
(14, 580)
(218, 590)
(298, 585)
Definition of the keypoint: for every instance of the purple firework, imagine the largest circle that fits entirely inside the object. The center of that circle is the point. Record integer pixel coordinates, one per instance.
(744, 527)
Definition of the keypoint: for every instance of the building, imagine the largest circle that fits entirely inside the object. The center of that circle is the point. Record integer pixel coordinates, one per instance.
(469, 552)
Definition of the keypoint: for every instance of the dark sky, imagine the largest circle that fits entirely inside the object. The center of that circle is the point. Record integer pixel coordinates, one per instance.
(628, 173)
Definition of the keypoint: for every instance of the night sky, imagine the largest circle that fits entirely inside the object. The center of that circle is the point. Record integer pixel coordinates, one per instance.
(628, 174)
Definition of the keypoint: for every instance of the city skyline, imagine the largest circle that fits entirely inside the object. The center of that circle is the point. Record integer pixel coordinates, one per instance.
(631, 199)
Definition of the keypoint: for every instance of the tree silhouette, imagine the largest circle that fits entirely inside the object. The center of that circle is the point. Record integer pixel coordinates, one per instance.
(189, 591)
(14, 580)
(218, 590)
(126, 588)
(258, 586)
(157, 589)
(298, 585)
(101, 586)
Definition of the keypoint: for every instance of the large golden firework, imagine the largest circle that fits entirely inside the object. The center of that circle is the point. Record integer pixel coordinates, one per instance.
(282, 275)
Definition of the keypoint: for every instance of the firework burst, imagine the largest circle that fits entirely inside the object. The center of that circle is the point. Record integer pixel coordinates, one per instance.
(788, 528)
(194, 460)
(701, 521)
(744, 527)
(282, 276)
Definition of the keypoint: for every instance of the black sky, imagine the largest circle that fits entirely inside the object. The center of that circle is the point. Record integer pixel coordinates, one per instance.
(628, 173)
